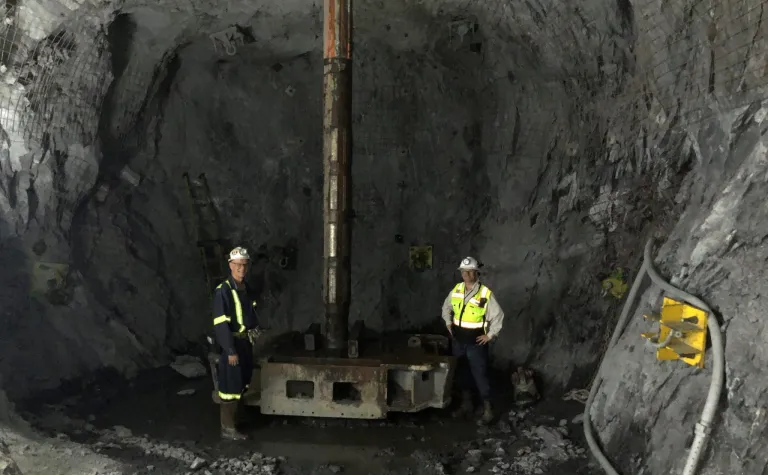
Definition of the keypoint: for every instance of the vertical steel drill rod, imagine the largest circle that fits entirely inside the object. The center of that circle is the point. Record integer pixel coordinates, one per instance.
(337, 141)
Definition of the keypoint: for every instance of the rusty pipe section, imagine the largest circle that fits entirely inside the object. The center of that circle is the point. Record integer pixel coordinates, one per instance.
(337, 141)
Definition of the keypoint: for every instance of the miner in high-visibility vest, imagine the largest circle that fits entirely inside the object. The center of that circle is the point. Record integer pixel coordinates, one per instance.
(235, 324)
(474, 319)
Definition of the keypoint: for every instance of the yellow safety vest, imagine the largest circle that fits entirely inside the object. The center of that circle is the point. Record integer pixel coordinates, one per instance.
(238, 310)
(474, 313)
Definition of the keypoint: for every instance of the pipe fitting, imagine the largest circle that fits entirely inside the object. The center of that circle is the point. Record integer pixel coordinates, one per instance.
(663, 343)
(703, 428)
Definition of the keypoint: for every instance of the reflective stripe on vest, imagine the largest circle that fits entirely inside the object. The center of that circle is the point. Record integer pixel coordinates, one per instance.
(238, 310)
(474, 315)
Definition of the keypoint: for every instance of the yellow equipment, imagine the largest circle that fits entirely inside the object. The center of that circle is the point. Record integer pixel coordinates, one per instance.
(682, 333)
(420, 258)
(616, 284)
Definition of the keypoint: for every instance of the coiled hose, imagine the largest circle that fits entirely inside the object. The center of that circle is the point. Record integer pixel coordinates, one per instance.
(704, 426)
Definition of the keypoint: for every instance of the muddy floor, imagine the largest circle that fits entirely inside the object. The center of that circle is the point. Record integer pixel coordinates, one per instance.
(163, 423)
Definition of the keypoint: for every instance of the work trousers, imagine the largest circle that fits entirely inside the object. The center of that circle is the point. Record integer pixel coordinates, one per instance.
(472, 366)
(234, 380)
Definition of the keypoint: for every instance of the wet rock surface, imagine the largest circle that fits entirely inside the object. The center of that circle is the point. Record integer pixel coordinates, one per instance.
(181, 437)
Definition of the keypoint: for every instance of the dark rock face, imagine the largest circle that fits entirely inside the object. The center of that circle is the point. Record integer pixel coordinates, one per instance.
(547, 139)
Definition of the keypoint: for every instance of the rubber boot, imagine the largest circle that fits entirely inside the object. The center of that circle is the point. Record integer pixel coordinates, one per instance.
(488, 415)
(240, 414)
(467, 408)
(228, 429)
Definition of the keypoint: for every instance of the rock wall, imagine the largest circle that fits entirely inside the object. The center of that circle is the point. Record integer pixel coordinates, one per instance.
(646, 410)
(55, 74)
(548, 140)
(716, 252)
(469, 138)
(453, 148)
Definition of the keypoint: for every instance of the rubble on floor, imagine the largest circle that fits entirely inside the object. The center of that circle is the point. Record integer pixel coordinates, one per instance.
(7, 464)
(580, 395)
(189, 367)
(515, 446)
(522, 442)
(251, 463)
(57, 455)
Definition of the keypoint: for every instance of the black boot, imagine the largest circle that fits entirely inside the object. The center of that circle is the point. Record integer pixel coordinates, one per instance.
(228, 414)
(488, 415)
(466, 408)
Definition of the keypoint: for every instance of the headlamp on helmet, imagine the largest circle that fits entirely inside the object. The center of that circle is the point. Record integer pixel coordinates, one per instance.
(239, 253)
(469, 263)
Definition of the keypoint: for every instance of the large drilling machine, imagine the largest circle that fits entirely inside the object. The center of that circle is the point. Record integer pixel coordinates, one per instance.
(340, 372)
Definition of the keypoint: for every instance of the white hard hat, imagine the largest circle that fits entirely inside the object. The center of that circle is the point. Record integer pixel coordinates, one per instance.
(469, 263)
(239, 253)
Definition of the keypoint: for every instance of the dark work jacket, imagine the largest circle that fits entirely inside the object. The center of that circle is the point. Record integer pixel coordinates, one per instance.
(225, 314)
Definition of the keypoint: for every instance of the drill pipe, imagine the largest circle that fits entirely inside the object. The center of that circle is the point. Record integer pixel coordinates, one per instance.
(337, 172)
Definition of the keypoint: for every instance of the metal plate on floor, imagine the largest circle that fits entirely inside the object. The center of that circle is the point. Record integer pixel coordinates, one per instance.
(314, 389)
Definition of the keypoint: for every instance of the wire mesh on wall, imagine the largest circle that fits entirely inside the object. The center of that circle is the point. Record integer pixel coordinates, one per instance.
(696, 58)
(706, 53)
(692, 53)
(54, 76)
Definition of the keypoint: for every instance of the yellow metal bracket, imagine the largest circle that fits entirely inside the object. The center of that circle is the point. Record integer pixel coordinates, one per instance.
(47, 277)
(616, 284)
(682, 333)
(420, 258)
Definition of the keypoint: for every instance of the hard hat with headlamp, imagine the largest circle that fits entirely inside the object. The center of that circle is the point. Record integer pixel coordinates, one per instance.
(469, 263)
(239, 253)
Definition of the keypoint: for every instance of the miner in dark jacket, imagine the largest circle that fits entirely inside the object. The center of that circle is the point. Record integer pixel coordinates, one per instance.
(234, 320)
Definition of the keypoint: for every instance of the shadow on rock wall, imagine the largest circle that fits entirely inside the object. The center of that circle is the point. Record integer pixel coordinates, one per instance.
(18, 315)
(50, 314)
